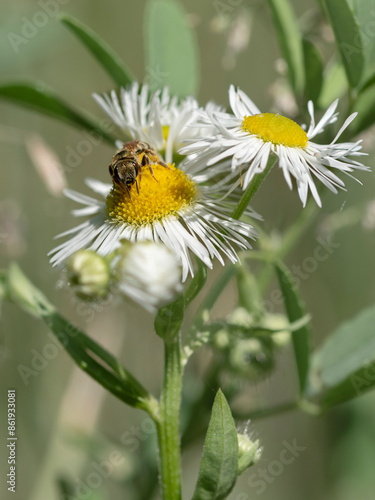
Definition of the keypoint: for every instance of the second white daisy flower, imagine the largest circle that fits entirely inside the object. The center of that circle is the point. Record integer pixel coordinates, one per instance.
(248, 137)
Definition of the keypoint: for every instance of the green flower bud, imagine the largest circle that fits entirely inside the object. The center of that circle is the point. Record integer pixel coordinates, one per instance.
(221, 340)
(251, 356)
(249, 452)
(278, 321)
(241, 317)
(88, 275)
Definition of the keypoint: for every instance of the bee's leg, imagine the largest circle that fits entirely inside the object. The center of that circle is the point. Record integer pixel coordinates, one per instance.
(123, 187)
(136, 183)
(146, 163)
(163, 164)
(156, 158)
(128, 191)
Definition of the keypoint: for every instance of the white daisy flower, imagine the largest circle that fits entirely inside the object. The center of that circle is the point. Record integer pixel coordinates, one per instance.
(248, 137)
(160, 119)
(149, 274)
(171, 208)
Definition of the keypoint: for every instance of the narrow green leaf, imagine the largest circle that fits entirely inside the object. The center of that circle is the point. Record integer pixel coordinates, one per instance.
(219, 465)
(335, 84)
(348, 38)
(313, 71)
(171, 49)
(290, 41)
(365, 15)
(106, 56)
(103, 367)
(38, 97)
(368, 83)
(365, 106)
(295, 310)
(3, 285)
(344, 367)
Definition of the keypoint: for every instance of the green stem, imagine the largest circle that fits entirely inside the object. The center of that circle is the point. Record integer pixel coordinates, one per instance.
(253, 188)
(168, 426)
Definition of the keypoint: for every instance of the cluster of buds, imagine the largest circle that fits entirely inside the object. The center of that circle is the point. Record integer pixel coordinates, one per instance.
(249, 351)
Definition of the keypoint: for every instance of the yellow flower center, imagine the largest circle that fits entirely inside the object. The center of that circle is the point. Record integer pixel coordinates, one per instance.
(165, 129)
(160, 196)
(276, 129)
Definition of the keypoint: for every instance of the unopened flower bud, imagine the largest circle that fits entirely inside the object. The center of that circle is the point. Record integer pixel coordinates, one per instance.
(250, 357)
(278, 321)
(221, 339)
(150, 274)
(249, 452)
(88, 274)
(241, 317)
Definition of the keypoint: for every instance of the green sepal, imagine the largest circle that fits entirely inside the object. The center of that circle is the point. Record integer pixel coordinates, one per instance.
(168, 319)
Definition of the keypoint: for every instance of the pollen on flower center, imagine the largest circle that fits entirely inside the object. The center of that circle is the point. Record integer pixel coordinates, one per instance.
(276, 129)
(163, 195)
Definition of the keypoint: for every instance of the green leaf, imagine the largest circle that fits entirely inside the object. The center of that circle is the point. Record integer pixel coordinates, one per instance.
(364, 12)
(3, 285)
(219, 465)
(365, 106)
(290, 41)
(335, 84)
(197, 283)
(295, 310)
(348, 38)
(368, 83)
(171, 49)
(313, 71)
(106, 56)
(102, 367)
(38, 97)
(22, 292)
(344, 367)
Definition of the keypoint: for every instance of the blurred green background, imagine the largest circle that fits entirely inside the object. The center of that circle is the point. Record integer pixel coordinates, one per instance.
(65, 422)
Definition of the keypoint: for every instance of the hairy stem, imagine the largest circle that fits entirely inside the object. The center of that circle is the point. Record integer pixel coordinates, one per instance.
(168, 426)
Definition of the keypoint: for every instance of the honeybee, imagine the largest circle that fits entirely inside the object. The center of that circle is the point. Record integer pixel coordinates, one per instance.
(128, 162)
